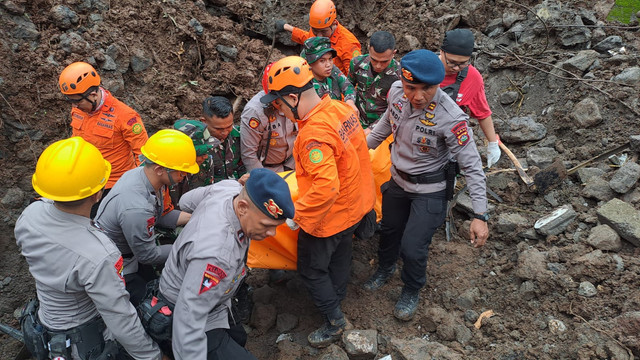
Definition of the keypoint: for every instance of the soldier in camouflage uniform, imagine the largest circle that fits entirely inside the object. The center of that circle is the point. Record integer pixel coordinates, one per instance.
(372, 75)
(199, 134)
(327, 78)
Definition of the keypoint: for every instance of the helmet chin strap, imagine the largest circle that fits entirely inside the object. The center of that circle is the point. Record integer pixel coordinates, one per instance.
(294, 109)
(172, 183)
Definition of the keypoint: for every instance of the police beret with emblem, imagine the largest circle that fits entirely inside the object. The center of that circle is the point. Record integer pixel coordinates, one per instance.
(422, 66)
(458, 42)
(315, 47)
(270, 193)
(198, 133)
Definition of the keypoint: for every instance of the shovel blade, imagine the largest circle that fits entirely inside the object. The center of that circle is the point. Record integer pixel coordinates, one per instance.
(550, 177)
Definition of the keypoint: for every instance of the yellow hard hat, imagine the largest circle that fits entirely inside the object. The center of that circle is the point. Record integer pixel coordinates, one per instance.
(70, 169)
(172, 149)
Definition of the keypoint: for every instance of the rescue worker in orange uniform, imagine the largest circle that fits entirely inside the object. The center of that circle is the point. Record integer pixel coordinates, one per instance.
(102, 120)
(335, 186)
(323, 22)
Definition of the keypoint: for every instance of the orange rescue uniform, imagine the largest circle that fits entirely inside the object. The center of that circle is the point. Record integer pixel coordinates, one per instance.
(343, 42)
(116, 130)
(333, 170)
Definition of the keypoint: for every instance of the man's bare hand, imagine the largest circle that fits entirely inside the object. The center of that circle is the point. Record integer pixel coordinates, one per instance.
(478, 232)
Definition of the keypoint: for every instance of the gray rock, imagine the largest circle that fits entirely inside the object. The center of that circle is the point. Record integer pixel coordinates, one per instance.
(556, 326)
(333, 352)
(576, 37)
(597, 188)
(6, 281)
(527, 290)
(113, 81)
(604, 237)
(509, 222)
(609, 43)
(24, 29)
(471, 316)
(634, 141)
(286, 322)
(419, 349)
(622, 218)
(509, 97)
(63, 17)
(586, 113)
(521, 129)
(96, 18)
(467, 299)
(587, 173)
(197, 27)
(510, 17)
(109, 64)
(13, 198)
(625, 177)
(556, 268)
(630, 76)
(73, 43)
(227, 53)
(361, 343)
(464, 204)
(587, 16)
(532, 265)
(587, 289)
(263, 295)
(263, 317)
(139, 61)
(463, 334)
(541, 156)
(556, 222)
(12, 7)
(632, 197)
(581, 62)
(551, 199)
(413, 42)
(493, 26)
(628, 323)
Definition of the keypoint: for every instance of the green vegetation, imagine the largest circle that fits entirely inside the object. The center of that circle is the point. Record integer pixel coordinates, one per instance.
(623, 10)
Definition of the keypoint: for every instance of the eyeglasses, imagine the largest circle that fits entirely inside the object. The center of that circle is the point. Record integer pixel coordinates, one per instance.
(452, 64)
(76, 101)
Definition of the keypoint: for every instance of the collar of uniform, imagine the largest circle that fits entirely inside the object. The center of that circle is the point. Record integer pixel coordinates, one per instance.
(145, 180)
(65, 216)
(104, 96)
(236, 229)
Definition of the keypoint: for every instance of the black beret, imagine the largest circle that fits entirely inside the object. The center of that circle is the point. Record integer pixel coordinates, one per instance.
(458, 42)
(270, 193)
(422, 66)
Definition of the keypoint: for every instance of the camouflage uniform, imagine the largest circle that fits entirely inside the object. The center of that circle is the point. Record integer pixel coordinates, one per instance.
(214, 168)
(337, 85)
(371, 90)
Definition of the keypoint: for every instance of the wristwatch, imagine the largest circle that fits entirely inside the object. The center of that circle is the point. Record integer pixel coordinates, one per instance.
(484, 217)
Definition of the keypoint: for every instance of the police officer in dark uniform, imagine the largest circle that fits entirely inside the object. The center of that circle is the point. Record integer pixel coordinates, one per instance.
(430, 133)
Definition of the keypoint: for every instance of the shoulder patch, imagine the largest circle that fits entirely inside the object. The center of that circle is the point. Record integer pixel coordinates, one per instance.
(211, 277)
(151, 222)
(461, 132)
(136, 128)
(432, 106)
(254, 122)
(316, 156)
(132, 121)
(119, 265)
(312, 144)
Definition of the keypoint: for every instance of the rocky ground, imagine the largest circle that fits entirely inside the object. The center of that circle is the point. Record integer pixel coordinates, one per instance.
(561, 269)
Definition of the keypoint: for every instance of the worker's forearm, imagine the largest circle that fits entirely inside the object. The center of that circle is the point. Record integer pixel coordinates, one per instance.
(486, 125)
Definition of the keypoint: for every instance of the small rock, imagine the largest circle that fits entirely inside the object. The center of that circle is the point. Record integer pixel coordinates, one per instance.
(24, 29)
(139, 61)
(587, 173)
(109, 64)
(597, 188)
(195, 24)
(587, 289)
(520, 129)
(510, 222)
(333, 352)
(263, 317)
(361, 343)
(605, 238)
(541, 157)
(609, 43)
(286, 322)
(628, 76)
(63, 17)
(532, 265)
(556, 222)
(227, 53)
(556, 326)
(463, 334)
(622, 218)
(586, 113)
(467, 299)
(471, 316)
(6, 281)
(634, 141)
(13, 198)
(263, 295)
(527, 290)
(13, 8)
(625, 177)
(509, 97)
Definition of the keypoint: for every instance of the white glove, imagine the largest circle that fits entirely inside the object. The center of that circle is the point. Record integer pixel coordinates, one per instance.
(292, 224)
(493, 153)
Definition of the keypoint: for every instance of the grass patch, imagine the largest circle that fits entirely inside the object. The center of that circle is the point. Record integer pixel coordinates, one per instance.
(623, 10)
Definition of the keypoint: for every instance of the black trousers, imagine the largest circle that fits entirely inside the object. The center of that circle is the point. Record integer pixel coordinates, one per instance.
(324, 264)
(136, 283)
(409, 220)
(225, 344)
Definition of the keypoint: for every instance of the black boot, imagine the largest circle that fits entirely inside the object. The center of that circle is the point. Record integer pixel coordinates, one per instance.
(334, 325)
(407, 305)
(379, 278)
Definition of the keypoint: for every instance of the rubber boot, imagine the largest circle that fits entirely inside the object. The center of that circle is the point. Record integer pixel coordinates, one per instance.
(334, 325)
(407, 305)
(379, 278)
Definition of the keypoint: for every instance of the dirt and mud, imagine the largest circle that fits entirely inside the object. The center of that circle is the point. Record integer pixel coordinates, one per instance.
(163, 57)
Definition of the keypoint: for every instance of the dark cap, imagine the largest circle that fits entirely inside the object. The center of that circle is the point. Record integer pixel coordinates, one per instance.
(270, 193)
(458, 42)
(315, 47)
(422, 66)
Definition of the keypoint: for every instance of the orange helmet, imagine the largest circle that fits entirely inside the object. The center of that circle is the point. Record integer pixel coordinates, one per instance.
(322, 14)
(287, 75)
(77, 78)
(265, 78)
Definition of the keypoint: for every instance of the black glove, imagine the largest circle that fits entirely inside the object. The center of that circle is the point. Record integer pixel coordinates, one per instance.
(280, 25)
